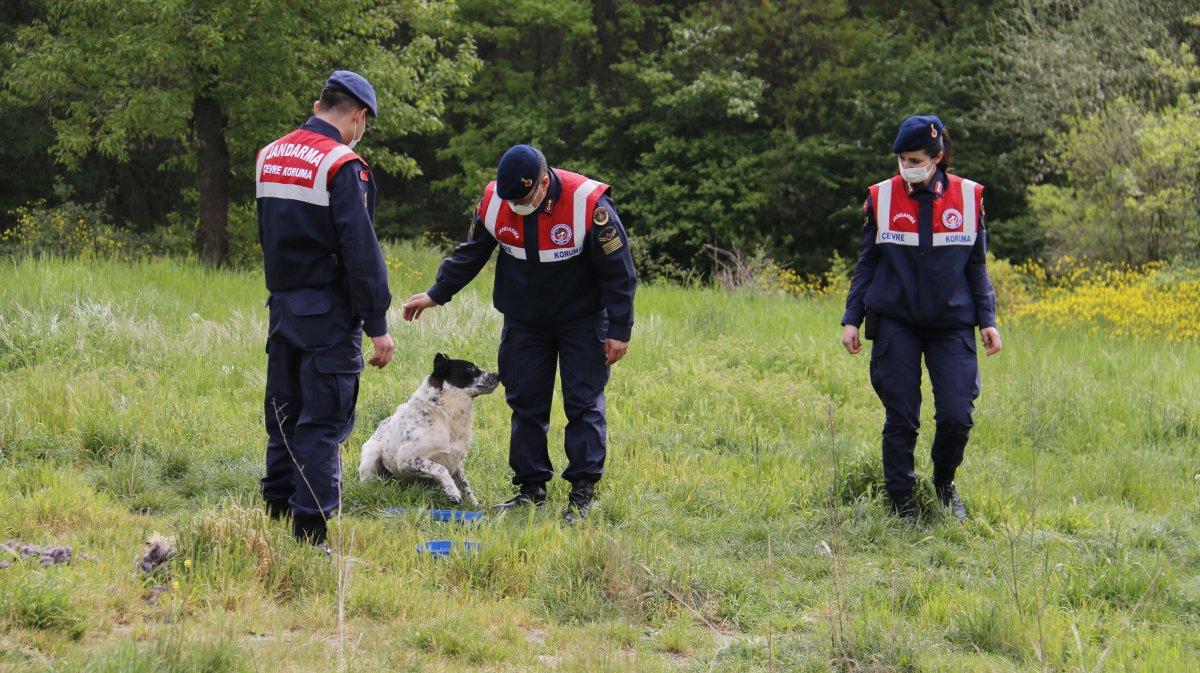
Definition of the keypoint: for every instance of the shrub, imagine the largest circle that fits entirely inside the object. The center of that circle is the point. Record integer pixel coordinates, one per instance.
(84, 230)
(1150, 301)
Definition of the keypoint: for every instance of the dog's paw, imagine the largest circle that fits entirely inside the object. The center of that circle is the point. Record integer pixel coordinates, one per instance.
(474, 501)
(453, 496)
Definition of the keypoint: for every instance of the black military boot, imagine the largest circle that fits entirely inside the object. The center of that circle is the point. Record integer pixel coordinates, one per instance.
(278, 509)
(947, 494)
(530, 495)
(309, 528)
(903, 504)
(579, 501)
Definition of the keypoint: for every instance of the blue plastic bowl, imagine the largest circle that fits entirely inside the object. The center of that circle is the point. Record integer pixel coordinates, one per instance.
(446, 515)
(440, 548)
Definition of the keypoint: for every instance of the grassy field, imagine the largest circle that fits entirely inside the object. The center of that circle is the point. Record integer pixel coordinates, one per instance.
(739, 525)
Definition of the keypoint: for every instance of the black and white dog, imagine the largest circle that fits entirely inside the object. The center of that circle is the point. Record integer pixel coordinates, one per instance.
(429, 435)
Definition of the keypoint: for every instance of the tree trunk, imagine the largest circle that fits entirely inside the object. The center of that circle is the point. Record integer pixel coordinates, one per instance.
(212, 173)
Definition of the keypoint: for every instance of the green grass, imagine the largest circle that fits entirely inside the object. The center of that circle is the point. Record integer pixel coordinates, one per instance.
(741, 437)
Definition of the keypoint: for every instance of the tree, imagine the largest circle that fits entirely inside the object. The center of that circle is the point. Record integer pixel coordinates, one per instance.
(222, 77)
(1130, 177)
(1055, 63)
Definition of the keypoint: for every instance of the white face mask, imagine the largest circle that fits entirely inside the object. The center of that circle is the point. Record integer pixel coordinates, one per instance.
(354, 141)
(528, 208)
(919, 174)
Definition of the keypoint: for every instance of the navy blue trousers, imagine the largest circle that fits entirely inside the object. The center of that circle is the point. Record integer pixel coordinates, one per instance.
(314, 360)
(527, 360)
(896, 376)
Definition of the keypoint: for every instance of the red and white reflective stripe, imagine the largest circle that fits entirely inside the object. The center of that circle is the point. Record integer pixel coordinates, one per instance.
(317, 194)
(883, 220)
(490, 213)
(579, 216)
(970, 219)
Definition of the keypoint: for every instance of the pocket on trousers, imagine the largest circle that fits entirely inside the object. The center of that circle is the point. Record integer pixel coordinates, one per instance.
(968, 339)
(879, 346)
(309, 304)
(339, 363)
(602, 332)
(337, 385)
(968, 379)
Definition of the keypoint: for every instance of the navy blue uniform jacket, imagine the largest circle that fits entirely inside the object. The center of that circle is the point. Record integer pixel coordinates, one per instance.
(308, 246)
(533, 292)
(922, 285)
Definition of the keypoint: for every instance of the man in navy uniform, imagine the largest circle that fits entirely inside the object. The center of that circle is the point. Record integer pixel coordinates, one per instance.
(565, 284)
(328, 283)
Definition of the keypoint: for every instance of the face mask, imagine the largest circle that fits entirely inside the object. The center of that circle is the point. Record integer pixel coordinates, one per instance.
(354, 141)
(919, 174)
(528, 208)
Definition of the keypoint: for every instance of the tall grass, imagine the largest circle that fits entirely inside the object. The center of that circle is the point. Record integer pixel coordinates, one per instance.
(741, 437)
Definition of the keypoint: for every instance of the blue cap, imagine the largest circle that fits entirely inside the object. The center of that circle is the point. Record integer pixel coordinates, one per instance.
(917, 133)
(519, 170)
(355, 85)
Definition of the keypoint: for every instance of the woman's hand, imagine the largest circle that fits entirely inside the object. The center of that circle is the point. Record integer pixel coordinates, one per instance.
(991, 340)
(851, 341)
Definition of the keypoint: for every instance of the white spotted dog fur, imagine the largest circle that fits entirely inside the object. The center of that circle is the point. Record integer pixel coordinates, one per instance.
(430, 434)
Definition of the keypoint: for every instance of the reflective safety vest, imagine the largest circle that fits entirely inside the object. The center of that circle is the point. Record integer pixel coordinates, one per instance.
(299, 167)
(561, 232)
(955, 215)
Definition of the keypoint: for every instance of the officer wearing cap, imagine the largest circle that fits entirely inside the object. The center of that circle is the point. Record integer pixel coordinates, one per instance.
(922, 285)
(328, 284)
(565, 284)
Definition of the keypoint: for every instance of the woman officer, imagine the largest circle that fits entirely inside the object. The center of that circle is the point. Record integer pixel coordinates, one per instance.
(922, 285)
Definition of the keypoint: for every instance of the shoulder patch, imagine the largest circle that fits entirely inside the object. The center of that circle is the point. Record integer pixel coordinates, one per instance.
(364, 175)
(600, 216)
(609, 239)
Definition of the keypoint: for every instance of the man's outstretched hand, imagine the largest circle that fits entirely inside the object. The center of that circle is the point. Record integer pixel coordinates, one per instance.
(416, 305)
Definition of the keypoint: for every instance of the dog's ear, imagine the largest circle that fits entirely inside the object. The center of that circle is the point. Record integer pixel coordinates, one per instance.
(439, 370)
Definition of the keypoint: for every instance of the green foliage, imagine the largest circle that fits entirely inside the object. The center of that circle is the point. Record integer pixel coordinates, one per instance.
(1130, 184)
(1051, 66)
(111, 88)
(84, 230)
(739, 125)
(181, 50)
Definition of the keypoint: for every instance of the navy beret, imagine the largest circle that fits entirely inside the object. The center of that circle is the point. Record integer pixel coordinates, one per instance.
(918, 132)
(355, 85)
(519, 170)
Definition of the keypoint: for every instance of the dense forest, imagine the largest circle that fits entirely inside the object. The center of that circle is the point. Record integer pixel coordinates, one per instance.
(750, 126)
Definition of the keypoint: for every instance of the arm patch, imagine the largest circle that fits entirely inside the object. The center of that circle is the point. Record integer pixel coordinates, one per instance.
(609, 239)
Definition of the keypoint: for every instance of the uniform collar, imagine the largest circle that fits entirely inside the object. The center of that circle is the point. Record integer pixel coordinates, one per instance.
(553, 192)
(317, 125)
(936, 186)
